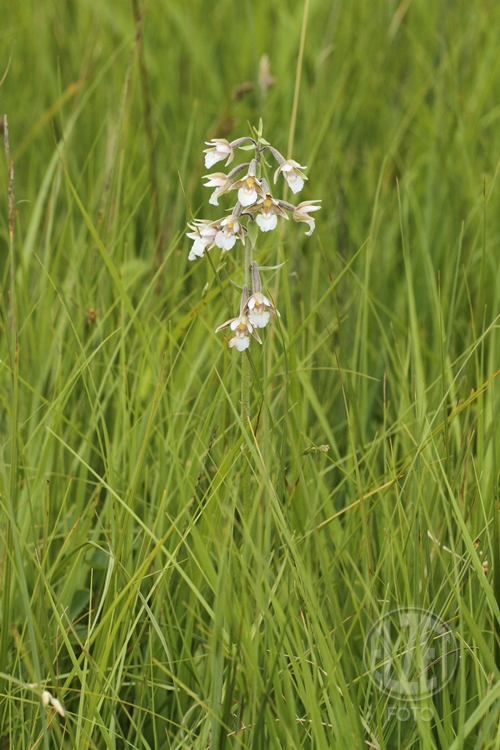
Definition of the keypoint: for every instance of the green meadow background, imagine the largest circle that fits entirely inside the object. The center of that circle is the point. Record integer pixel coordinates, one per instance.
(132, 585)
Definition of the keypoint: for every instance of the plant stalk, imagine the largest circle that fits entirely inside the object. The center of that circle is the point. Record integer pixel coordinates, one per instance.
(246, 386)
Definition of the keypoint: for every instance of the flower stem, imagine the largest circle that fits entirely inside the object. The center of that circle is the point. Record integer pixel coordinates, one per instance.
(245, 418)
(246, 386)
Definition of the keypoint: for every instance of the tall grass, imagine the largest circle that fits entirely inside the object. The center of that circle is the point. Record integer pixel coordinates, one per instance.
(131, 586)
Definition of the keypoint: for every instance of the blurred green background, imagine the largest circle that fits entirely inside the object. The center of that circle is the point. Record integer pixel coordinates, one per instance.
(130, 587)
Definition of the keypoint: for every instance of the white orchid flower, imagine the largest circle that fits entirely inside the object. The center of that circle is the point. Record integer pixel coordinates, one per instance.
(268, 211)
(229, 229)
(203, 234)
(221, 182)
(249, 188)
(292, 174)
(242, 329)
(301, 213)
(258, 309)
(219, 150)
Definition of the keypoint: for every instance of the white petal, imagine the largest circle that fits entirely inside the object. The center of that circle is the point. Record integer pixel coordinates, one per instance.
(213, 198)
(259, 320)
(308, 207)
(267, 222)
(290, 165)
(212, 158)
(224, 325)
(220, 144)
(208, 235)
(241, 343)
(246, 198)
(198, 249)
(232, 223)
(296, 182)
(312, 226)
(225, 241)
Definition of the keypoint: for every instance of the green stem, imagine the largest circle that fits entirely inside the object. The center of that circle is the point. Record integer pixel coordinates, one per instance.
(245, 417)
(12, 489)
(246, 386)
(295, 105)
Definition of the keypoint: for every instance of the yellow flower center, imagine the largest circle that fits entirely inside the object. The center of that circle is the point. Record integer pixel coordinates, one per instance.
(249, 181)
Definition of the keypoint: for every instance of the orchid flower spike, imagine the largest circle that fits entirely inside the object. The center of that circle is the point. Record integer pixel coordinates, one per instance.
(255, 207)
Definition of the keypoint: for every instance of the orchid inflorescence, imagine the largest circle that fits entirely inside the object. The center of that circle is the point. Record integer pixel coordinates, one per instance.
(255, 204)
